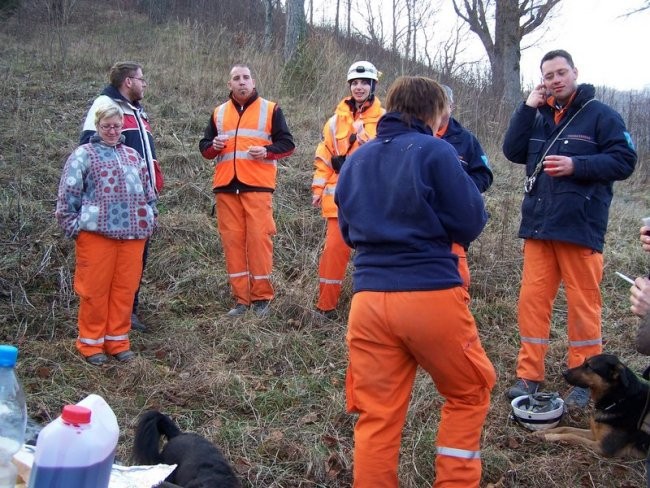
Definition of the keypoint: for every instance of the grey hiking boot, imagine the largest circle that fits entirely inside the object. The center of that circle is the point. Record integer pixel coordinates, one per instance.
(239, 310)
(326, 314)
(124, 356)
(522, 387)
(261, 307)
(578, 397)
(136, 324)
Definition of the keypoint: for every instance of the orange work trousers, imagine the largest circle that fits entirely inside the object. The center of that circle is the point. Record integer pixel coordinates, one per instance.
(246, 226)
(389, 335)
(463, 267)
(332, 267)
(107, 274)
(546, 265)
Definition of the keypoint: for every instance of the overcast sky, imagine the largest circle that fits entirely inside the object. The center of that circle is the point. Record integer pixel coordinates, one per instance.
(608, 50)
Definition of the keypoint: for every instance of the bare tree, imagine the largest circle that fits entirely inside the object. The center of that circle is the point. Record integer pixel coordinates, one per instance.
(641, 8)
(58, 14)
(349, 19)
(410, 30)
(296, 28)
(373, 27)
(446, 59)
(336, 16)
(513, 19)
(399, 31)
(418, 15)
(396, 16)
(268, 24)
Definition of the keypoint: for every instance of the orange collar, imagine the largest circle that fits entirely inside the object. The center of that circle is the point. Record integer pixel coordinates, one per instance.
(559, 112)
(441, 130)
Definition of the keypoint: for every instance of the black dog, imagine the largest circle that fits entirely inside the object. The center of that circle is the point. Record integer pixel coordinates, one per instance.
(619, 427)
(199, 463)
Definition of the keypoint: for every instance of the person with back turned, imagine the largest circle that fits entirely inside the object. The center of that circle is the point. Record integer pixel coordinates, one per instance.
(475, 163)
(403, 198)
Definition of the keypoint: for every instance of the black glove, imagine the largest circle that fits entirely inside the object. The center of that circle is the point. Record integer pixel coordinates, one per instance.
(337, 163)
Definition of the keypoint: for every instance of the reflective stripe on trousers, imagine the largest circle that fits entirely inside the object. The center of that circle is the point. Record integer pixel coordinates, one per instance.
(389, 335)
(246, 226)
(107, 274)
(547, 264)
(332, 266)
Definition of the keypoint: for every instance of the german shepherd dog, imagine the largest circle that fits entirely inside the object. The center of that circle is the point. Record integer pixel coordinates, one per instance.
(619, 427)
(200, 464)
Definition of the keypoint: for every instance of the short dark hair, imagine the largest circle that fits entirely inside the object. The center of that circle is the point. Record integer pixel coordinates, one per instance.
(241, 65)
(416, 97)
(557, 53)
(120, 71)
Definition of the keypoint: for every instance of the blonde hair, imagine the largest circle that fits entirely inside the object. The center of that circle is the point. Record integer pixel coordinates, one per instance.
(107, 111)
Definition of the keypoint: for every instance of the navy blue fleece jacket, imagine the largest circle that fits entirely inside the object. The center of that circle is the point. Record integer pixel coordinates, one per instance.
(403, 198)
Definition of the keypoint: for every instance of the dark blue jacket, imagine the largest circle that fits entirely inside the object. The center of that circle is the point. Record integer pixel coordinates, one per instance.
(471, 154)
(572, 208)
(403, 198)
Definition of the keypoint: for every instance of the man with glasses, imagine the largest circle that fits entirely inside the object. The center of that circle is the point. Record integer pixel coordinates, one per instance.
(126, 89)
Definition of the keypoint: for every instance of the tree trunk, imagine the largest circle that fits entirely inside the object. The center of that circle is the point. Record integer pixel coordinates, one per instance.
(296, 28)
(336, 16)
(349, 19)
(394, 37)
(506, 71)
(513, 19)
(268, 24)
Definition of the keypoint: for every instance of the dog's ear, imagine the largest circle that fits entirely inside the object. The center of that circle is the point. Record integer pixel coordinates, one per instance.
(626, 375)
(605, 365)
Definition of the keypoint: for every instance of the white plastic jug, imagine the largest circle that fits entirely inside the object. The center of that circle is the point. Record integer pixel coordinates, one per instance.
(77, 451)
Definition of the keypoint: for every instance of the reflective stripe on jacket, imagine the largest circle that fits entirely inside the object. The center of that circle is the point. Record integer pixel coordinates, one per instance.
(250, 128)
(336, 142)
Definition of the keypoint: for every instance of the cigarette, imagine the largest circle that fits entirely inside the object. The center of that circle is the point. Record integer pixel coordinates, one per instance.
(626, 278)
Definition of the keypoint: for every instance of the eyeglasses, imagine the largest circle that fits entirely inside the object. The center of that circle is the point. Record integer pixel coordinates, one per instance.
(110, 127)
(139, 79)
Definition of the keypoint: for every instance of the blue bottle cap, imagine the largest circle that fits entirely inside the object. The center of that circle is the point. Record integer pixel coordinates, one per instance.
(8, 356)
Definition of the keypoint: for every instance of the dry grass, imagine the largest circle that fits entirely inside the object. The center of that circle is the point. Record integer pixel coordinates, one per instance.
(269, 392)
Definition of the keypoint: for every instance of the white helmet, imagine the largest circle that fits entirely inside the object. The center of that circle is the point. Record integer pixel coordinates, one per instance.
(363, 70)
(539, 411)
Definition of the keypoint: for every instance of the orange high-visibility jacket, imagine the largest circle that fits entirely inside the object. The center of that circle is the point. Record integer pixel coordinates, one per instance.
(250, 128)
(336, 142)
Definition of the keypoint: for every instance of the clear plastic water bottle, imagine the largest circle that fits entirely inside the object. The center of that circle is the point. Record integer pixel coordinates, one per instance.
(13, 415)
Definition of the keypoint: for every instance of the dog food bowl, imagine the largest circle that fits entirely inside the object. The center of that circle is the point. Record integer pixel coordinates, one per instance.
(539, 411)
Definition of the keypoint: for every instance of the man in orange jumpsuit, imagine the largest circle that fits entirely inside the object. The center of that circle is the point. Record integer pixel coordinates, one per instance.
(574, 148)
(246, 136)
(353, 124)
(403, 199)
